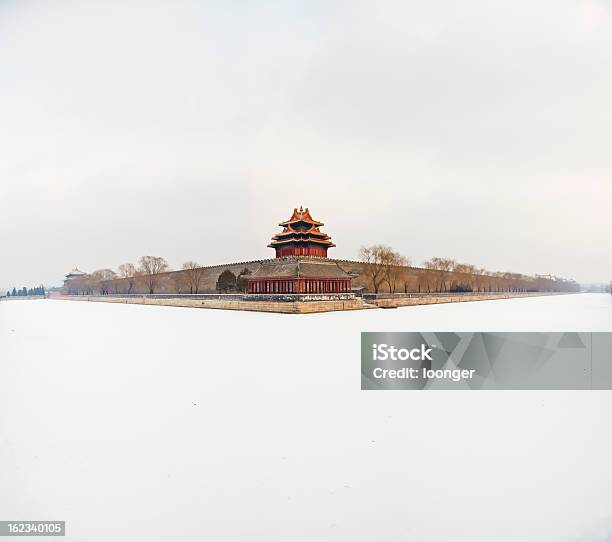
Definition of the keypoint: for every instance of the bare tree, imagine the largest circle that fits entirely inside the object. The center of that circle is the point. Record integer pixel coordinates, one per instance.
(151, 267)
(372, 258)
(465, 277)
(194, 273)
(442, 268)
(100, 280)
(394, 265)
(481, 279)
(86, 284)
(424, 280)
(128, 272)
(180, 282)
(406, 276)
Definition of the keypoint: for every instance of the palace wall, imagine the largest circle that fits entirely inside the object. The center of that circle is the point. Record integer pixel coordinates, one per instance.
(408, 279)
(173, 282)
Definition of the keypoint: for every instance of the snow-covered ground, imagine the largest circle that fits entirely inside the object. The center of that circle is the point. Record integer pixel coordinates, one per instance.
(138, 423)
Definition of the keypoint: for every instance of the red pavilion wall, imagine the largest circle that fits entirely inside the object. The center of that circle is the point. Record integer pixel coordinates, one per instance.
(319, 252)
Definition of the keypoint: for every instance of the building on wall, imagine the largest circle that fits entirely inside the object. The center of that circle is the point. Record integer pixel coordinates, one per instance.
(295, 275)
(301, 265)
(72, 279)
(301, 237)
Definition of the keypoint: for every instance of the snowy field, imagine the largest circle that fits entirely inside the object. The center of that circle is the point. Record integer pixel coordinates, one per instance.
(137, 423)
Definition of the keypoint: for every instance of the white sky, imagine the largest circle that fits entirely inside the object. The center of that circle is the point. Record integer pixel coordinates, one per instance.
(475, 130)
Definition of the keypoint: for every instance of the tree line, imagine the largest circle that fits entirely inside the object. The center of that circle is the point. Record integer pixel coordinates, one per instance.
(24, 292)
(148, 272)
(386, 270)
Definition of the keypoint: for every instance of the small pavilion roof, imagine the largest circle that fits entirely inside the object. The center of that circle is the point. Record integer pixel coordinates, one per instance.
(76, 272)
(301, 215)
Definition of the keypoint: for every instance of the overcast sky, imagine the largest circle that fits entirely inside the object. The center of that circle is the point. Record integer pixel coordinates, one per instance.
(479, 131)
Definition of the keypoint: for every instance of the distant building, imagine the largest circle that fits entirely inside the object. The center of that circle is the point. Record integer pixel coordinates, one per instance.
(72, 279)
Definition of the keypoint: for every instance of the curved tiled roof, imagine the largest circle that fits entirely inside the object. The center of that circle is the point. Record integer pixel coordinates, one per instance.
(301, 215)
(76, 272)
(293, 267)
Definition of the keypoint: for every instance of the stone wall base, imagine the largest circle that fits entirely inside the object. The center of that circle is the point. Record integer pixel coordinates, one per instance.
(450, 298)
(299, 307)
(303, 307)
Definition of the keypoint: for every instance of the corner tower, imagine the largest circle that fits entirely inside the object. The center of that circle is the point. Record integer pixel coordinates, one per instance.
(301, 237)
